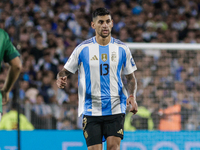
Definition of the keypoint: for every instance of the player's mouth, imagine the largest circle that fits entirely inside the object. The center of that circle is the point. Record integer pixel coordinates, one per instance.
(105, 31)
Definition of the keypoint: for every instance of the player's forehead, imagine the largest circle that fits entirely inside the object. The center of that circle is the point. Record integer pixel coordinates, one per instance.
(103, 18)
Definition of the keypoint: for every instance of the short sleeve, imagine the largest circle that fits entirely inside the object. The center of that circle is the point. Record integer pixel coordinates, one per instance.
(129, 66)
(72, 64)
(10, 51)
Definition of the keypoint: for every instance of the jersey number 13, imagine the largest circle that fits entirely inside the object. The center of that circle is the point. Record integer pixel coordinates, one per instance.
(104, 69)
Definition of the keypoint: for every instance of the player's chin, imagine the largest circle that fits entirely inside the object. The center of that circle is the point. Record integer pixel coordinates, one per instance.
(105, 35)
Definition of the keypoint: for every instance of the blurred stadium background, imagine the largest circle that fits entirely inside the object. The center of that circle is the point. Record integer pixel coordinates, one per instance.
(46, 31)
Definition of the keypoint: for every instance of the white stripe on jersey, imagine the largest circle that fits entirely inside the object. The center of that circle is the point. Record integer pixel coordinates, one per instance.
(81, 90)
(95, 79)
(115, 98)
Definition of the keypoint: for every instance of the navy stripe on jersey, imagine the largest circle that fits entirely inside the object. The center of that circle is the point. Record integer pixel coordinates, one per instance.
(104, 62)
(88, 100)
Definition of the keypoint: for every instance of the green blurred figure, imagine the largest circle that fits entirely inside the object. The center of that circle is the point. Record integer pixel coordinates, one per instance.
(9, 54)
(140, 121)
(9, 120)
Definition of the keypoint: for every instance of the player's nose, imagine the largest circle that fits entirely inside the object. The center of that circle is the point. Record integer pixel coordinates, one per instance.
(105, 25)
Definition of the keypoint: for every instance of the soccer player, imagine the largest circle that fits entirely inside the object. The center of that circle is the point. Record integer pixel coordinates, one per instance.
(9, 54)
(102, 95)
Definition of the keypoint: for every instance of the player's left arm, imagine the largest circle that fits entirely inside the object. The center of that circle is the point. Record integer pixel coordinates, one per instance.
(132, 87)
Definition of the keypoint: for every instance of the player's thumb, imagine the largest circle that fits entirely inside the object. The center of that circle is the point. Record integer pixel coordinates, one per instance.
(127, 102)
(64, 78)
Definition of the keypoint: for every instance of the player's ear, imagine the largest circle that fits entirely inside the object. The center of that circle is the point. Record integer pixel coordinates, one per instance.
(112, 22)
(92, 25)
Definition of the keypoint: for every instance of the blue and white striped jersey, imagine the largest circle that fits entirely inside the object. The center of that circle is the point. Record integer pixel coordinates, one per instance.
(101, 91)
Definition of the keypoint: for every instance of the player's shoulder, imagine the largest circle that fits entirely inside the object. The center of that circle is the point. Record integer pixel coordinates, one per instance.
(82, 45)
(120, 43)
(86, 42)
(3, 33)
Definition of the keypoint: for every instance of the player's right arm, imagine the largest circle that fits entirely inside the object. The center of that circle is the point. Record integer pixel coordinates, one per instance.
(70, 67)
(11, 56)
(62, 78)
(13, 73)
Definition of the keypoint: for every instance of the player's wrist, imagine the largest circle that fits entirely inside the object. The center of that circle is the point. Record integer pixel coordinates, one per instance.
(132, 95)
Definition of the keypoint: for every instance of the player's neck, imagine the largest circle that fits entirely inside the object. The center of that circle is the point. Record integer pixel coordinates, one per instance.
(103, 41)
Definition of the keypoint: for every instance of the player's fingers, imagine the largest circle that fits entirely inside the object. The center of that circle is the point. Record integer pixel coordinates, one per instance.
(127, 102)
(60, 80)
(62, 87)
(133, 111)
(64, 78)
(63, 82)
(60, 84)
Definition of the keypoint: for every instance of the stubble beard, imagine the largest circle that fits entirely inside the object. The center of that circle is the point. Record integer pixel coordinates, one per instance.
(104, 36)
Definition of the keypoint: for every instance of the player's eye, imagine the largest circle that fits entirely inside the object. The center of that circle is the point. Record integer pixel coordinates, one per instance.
(101, 21)
(108, 21)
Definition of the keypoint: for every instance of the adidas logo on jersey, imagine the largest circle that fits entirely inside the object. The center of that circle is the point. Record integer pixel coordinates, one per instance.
(120, 132)
(94, 58)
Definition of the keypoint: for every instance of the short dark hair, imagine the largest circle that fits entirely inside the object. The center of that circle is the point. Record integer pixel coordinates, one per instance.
(100, 12)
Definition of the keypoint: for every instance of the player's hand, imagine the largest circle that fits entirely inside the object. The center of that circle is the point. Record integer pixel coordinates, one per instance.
(61, 82)
(134, 107)
(5, 97)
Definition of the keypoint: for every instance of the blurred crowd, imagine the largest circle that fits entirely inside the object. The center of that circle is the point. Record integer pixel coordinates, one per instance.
(46, 32)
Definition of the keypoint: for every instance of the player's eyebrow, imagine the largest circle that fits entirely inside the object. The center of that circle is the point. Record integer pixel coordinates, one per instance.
(101, 21)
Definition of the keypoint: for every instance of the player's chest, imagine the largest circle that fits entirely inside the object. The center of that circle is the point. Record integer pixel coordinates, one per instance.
(103, 57)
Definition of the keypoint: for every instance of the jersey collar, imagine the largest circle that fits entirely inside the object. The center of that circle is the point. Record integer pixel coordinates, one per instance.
(94, 40)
